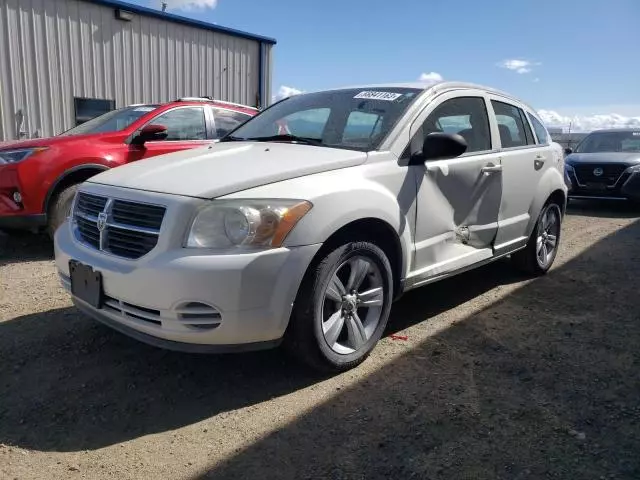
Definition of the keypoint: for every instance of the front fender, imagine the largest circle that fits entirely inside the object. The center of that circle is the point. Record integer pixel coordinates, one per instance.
(348, 195)
(337, 209)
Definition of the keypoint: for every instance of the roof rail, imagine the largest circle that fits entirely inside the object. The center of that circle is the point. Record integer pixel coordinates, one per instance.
(209, 99)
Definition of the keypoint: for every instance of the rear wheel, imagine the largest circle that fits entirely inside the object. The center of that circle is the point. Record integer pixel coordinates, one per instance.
(541, 250)
(342, 308)
(60, 208)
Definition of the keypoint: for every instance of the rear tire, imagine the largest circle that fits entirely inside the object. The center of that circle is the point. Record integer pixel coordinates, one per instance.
(60, 209)
(342, 308)
(542, 248)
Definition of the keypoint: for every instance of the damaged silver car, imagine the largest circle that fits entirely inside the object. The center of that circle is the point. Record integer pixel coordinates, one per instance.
(304, 224)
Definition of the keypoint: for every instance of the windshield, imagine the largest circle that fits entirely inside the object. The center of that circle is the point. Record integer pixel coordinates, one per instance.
(112, 121)
(610, 142)
(354, 119)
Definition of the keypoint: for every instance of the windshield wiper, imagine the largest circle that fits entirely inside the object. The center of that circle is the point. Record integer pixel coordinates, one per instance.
(286, 138)
(231, 138)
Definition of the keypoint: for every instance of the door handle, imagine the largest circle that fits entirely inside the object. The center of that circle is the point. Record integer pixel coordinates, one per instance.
(491, 168)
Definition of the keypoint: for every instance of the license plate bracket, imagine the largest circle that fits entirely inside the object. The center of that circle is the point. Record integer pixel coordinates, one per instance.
(86, 284)
(599, 187)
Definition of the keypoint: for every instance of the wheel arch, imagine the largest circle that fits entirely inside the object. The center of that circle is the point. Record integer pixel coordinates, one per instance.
(70, 177)
(551, 187)
(379, 232)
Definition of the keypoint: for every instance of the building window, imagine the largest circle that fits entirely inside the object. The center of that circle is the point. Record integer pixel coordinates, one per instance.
(88, 108)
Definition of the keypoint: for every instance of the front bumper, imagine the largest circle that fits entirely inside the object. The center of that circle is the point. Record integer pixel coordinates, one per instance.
(627, 187)
(250, 294)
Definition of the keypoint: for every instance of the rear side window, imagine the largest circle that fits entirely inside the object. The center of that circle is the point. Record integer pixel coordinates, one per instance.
(226, 120)
(512, 125)
(541, 131)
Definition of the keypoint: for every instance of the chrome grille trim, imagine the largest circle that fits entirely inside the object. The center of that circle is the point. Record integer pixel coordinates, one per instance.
(123, 228)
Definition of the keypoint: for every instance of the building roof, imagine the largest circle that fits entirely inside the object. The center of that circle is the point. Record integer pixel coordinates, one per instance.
(617, 130)
(170, 17)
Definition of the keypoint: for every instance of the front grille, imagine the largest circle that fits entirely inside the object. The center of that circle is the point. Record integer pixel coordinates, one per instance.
(586, 173)
(121, 227)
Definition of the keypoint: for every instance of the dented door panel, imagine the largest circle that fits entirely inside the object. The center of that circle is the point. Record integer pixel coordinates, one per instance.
(457, 213)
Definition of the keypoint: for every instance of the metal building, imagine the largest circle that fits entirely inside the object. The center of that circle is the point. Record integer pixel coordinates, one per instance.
(65, 61)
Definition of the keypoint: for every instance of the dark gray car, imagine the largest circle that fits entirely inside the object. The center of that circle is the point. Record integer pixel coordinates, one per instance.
(605, 165)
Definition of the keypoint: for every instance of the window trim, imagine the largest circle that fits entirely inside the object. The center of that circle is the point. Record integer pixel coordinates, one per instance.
(207, 120)
(512, 103)
(531, 116)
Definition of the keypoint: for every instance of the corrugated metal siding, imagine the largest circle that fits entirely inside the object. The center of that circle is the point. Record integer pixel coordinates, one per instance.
(54, 50)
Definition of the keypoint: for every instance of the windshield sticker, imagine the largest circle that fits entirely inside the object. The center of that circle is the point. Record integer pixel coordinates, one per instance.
(144, 109)
(387, 96)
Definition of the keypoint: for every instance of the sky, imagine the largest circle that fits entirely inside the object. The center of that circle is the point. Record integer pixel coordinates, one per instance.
(574, 61)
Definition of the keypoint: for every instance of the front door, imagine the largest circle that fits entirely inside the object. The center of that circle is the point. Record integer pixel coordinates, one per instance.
(186, 128)
(458, 199)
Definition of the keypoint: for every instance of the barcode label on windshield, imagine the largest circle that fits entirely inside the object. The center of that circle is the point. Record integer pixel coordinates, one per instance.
(388, 96)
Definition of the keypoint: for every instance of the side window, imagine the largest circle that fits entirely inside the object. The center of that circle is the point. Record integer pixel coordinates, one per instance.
(307, 123)
(227, 120)
(361, 127)
(466, 116)
(541, 131)
(514, 132)
(185, 123)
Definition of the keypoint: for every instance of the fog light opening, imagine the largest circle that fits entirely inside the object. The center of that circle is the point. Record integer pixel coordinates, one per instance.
(17, 197)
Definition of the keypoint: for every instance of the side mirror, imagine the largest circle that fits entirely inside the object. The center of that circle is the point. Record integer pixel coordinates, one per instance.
(440, 146)
(568, 151)
(150, 133)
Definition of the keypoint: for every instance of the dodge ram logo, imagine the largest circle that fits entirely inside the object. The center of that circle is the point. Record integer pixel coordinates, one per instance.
(102, 221)
(598, 172)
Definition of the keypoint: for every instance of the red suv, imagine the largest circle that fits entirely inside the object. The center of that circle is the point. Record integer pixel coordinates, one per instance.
(39, 177)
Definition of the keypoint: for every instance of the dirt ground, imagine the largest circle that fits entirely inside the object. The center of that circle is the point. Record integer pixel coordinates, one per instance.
(499, 377)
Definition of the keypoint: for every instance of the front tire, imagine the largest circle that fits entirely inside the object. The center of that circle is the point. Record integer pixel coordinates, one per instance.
(541, 250)
(60, 209)
(342, 307)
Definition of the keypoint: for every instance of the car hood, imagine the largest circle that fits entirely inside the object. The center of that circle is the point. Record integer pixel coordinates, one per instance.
(629, 158)
(224, 168)
(50, 141)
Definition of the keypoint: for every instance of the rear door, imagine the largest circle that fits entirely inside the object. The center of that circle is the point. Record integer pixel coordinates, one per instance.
(524, 157)
(458, 199)
(188, 126)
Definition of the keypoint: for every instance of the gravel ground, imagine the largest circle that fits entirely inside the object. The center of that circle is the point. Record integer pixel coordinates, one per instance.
(498, 377)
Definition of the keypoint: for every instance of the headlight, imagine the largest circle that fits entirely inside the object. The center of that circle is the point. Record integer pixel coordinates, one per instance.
(18, 155)
(245, 223)
(634, 169)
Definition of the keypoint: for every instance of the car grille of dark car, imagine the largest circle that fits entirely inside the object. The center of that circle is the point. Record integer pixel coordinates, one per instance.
(129, 229)
(586, 173)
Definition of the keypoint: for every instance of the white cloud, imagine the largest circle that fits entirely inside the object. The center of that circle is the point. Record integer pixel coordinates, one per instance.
(284, 92)
(430, 77)
(587, 123)
(519, 66)
(189, 4)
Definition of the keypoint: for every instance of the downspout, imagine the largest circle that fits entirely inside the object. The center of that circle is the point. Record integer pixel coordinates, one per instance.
(261, 77)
